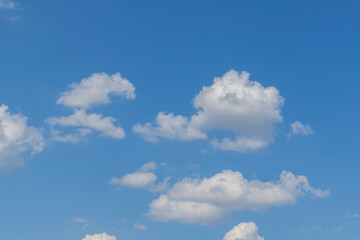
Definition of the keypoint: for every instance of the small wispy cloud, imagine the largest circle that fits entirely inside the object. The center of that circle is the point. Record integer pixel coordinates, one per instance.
(7, 4)
(81, 220)
(338, 229)
(14, 18)
(193, 166)
(297, 128)
(316, 228)
(352, 215)
(141, 227)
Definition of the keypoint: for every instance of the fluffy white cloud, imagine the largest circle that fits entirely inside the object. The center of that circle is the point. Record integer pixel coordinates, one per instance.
(243, 231)
(206, 201)
(232, 103)
(165, 209)
(170, 127)
(16, 138)
(141, 227)
(136, 179)
(7, 4)
(91, 91)
(297, 128)
(144, 177)
(101, 236)
(85, 122)
(95, 90)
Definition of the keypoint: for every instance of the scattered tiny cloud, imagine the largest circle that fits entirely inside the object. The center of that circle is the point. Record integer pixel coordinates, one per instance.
(352, 215)
(7, 4)
(83, 221)
(193, 166)
(338, 229)
(141, 227)
(316, 228)
(14, 18)
(297, 128)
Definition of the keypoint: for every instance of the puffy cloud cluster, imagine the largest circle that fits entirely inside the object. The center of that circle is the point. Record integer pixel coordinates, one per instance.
(144, 177)
(232, 103)
(90, 92)
(243, 231)
(297, 128)
(206, 201)
(16, 138)
(100, 236)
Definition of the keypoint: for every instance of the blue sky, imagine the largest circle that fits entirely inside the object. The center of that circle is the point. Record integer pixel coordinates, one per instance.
(111, 121)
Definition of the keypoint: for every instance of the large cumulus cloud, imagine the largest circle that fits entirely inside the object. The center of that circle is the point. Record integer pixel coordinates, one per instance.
(233, 104)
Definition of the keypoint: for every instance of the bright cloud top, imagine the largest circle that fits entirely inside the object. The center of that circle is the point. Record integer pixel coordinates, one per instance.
(95, 90)
(232, 103)
(16, 138)
(206, 201)
(243, 231)
(101, 236)
(91, 91)
(7, 4)
(143, 178)
(297, 128)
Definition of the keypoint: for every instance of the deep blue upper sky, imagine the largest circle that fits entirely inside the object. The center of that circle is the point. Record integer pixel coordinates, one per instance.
(309, 51)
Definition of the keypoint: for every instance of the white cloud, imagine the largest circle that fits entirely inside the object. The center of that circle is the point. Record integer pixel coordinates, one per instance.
(101, 236)
(206, 201)
(140, 226)
(7, 4)
(136, 180)
(95, 90)
(297, 128)
(85, 122)
(17, 138)
(170, 127)
(232, 103)
(164, 209)
(147, 167)
(91, 91)
(243, 231)
(143, 178)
